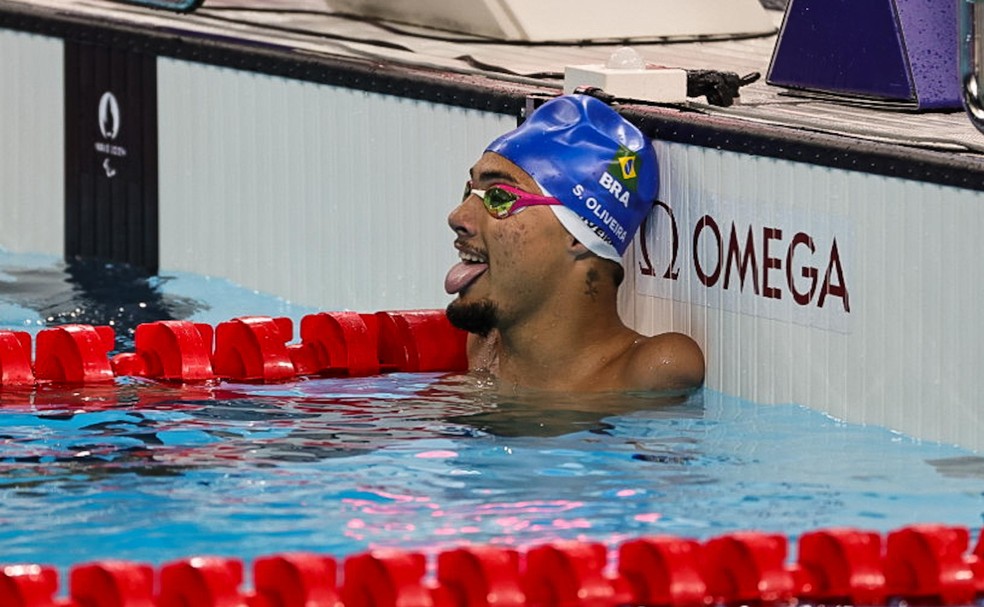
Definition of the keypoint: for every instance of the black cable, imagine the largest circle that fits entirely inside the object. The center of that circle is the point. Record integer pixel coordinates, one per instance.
(720, 88)
(491, 67)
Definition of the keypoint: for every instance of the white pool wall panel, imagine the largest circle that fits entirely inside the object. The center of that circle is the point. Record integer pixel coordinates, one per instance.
(32, 149)
(329, 197)
(907, 353)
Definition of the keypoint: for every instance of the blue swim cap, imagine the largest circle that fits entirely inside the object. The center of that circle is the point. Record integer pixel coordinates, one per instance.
(598, 164)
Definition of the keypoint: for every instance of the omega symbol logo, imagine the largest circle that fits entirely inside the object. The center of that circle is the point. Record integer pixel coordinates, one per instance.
(109, 116)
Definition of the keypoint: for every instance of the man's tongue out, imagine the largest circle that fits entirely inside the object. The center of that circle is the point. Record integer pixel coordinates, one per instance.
(463, 274)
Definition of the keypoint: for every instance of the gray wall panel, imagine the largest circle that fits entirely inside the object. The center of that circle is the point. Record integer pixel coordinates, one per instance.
(905, 353)
(32, 165)
(329, 197)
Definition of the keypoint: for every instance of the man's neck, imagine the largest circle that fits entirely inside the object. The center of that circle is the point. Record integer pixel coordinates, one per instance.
(562, 345)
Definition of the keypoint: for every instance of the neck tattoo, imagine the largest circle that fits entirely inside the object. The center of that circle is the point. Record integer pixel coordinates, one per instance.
(591, 284)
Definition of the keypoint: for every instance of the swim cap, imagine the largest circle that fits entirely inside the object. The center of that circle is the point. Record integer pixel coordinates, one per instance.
(598, 164)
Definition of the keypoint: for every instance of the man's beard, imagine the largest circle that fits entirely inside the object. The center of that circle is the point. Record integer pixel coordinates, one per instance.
(478, 317)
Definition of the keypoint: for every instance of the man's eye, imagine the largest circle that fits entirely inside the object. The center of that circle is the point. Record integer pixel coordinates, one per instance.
(500, 199)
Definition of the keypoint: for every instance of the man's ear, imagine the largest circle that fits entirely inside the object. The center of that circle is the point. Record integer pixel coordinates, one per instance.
(576, 249)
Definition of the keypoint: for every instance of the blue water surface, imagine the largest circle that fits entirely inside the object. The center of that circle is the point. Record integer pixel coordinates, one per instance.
(152, 472)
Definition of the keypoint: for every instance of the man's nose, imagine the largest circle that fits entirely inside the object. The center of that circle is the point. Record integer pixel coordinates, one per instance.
(464, 218)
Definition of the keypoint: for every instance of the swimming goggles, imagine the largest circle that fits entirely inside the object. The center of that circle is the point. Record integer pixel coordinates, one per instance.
(501, 200)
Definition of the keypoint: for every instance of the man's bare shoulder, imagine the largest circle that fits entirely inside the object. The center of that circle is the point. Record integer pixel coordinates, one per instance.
(668, 361)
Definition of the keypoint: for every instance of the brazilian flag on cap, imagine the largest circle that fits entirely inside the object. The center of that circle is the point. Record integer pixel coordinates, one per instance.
(625, 167)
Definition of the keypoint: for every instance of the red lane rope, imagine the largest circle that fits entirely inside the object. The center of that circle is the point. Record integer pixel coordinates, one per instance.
(923, 564)
(252, 348)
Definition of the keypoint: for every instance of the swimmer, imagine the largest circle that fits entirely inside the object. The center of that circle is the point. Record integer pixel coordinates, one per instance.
(547, 214)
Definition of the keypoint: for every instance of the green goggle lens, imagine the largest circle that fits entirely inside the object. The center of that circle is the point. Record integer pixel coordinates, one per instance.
(498, 201)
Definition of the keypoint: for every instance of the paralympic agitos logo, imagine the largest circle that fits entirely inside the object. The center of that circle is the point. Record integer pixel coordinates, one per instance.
(757, 267)
(109, 123)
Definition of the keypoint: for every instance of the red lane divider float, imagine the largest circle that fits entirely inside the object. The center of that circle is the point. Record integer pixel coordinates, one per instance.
(75, 354)
(342, 341)
(841, 566)
(171, 350)
(663, 570)
(252, 348)
(15, 359)
(923, 564)
(930, 564)
(747, 568)
(112, 583)
(481, 576)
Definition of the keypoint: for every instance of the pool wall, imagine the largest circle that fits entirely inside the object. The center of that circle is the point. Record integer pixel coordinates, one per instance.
(850, 292)
(812, 270)
(328, 196)
(32, 132)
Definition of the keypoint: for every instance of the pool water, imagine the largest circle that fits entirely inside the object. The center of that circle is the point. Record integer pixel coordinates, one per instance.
(153, 472)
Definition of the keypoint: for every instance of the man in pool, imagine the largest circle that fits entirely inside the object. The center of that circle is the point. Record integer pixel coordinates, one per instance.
(546, 216)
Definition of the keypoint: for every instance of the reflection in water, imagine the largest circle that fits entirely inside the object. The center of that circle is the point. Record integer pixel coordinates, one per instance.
(964, 466)
(554, 414)
(138, 421)
(93, 293)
